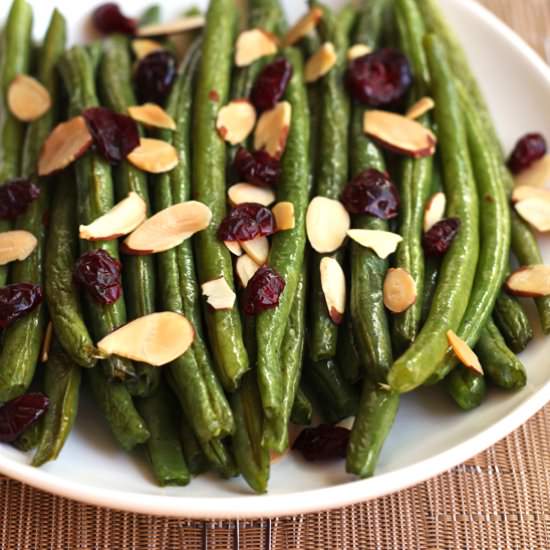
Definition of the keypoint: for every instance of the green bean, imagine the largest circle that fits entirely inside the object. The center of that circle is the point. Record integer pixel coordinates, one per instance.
(95, 52)
(29, 439)
(467, 388)
(431, 276)
(194, 457)
(347, 354)
(513, 322)
(302, 409)
(150, 15)
(220, 458)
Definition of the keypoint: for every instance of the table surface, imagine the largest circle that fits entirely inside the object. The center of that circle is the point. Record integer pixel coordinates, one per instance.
(499, 499)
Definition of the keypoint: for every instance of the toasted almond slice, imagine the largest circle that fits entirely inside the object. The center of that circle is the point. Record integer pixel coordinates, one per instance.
(47, 343)
(464, 353)
(283, 212)
(177, 26)
(154, 156)
(273, 128)
(245, 268)
(27, 98)
(421, 107)
(168, 228)
(327, 223)
(320, 63)
(234, 247)
(152, 115)
(156, 339)
(333, 283)
(537, 175)
(236, 121)
(246, 192)
(527, 192)
(16, 245)
(257, 249)
(358, 50)
(219, 294)
(400, 134)
(122, 219)
(530, 281)
(435, 210)
(383, 243)
(535, 211)
(67, 142)
(303, 26)
(399, 290)
(144, 46)
(253, 45)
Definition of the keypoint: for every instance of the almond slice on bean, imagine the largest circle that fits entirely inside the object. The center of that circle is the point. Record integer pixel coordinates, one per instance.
(530, 281)
(67, 142)
(156, 339)
(152, 115)
(257, 249)
(537, 175)
(154, 156)
(524, 192)
(246, 192)
(320, 63)
(421, 107)
(400, 134)
(358, 50)
(399, 290)
(245, 268)
(303, 26)
(383, 243)
(47, 343)
(435, 210)
(273, 128)
(535, 211)
(144, 46)
(28, 99)
(236, 121)
(333, 283)
(219, 295)
(234, 247)
(177, 26)
(253, 45)
(464, 353)
(122, 219)
(283, 212)
(16, 245)
(327, 224)
(168, 228)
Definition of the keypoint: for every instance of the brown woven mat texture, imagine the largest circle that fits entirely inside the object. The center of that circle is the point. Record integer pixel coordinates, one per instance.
(500, 500)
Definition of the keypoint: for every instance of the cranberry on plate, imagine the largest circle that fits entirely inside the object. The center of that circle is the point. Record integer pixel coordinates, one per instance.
(15, 197)
(324, 442)
(18, 299)
(257, 167)
(263, 291)
(528, 150)
(271, 84)
(19, 414)
(154, 77)
(100, 274)
(246, 222)
(439, 238)
(108, 19)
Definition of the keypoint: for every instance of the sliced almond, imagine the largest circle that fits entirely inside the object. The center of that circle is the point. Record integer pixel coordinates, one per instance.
(16, 245)
(527, 192)
(283, 212)
(67, 142)
(154, 156)
(383, 243)
(253, 45)
(435, 210)
(177, 26)
(399, 290)
(464, 353)
(327, 223)
(421, 107)
(152, 115)
(320, 63)
(234, 247)
(358, 50)
(303, 26)
(246, 192)
(245, 268)
(144, 46)
(333, 283)
(537, 175)
(535, 211)
(257, 249)
(122, 219)
(168, 228)
(47, 343)
(400, 134)
(27, 98)
(273, 128)
(236, 121)
(219, 294)
(156, 339)
(530, 282)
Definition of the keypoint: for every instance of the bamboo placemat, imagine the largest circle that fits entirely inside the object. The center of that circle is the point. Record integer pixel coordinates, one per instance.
(498, 500)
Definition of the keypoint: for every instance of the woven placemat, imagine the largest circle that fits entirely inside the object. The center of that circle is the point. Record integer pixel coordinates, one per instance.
(498, 500)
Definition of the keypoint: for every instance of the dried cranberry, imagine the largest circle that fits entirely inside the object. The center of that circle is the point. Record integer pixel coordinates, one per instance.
(325, 442)
(379, 79)
(108, 19)
(154, 77)
(99, 273)
(263, 291)
(258, 167)
(15, 197)
(528, 149)
(246, 222)
(372, 192)
(17, 415)
(270, 86)
(440, 237)
(17, 300)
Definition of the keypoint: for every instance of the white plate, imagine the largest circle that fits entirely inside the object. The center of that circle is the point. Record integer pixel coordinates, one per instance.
(430, 435)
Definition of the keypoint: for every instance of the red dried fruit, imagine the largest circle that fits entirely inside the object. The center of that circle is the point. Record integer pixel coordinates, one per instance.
(18, 299)
(99, 273)
(20, 413)
(246, 222)
(115, 136)
(108, 19)
(381, 78)
(270, 86)
(257, 167)
(15, 197)
(263, 291)
(372, 192)
(154, 77)
(528, 149)
(439, 238)
(324, 442)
